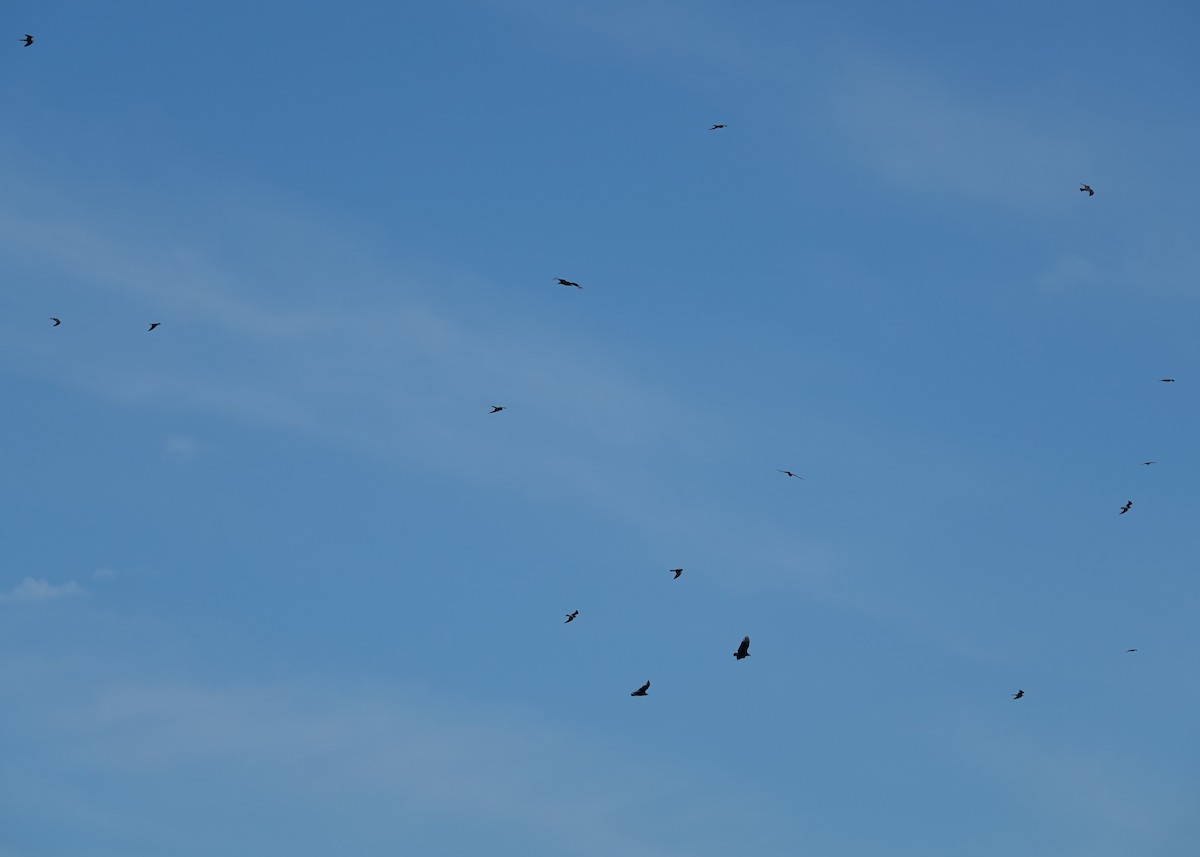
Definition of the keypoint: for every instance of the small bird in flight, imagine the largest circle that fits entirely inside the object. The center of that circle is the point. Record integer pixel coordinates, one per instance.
(1127, 651)
(57, 321)
(1167, 380)
(28, 40)
(1087, 188)
(676, 572)
(571, 617)
(1149, 462)
(641, 691)
(154, 325)
(1018, 694)
(1128, 505)
(497, 409)
(743, 650)
(563, 282)
(715, 127)
(790, 473)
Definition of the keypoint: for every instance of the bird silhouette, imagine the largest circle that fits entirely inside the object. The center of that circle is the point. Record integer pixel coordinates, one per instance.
(715, 127)
(497, 409)
(743, 651)
(790, 473)
(1127, 651)
(154, 325)
(641, 691)
(28, 40)
(1167, 380)
(1149, 462)
(57, 321)
(571, 617)
(1128, 505)
(676, 572)
(1018, 694)
(1087, 188)
(563, 282)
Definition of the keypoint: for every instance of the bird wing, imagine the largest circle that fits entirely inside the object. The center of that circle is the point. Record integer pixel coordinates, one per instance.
(644, 688)
(744, 648)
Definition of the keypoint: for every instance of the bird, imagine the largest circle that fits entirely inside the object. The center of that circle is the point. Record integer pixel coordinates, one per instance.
(641, 691)
(497, 409)
(790, 473)
(57, 321)
(1127, 651)
(1167, 380)
(563, 282)
(676, 572)
(154, 325)
(1149, 462)
(743, 650)
(715, 127)
(1018, 694)
(1128, 505)
(28, 40)
(1087, 188)
(571, 617)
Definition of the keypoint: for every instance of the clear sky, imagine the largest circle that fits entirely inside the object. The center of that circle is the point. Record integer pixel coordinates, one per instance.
(273, 580)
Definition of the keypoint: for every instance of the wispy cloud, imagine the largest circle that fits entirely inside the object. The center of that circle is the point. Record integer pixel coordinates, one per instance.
(37, 589)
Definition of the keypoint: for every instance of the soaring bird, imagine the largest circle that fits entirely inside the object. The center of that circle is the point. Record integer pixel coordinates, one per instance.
(676, 572)
(1167, 380)
(790, 473)
(1127, 651)
(641, 691)
(715, 127)
(743, 650)
(154, 325)
(1128, 505)
(563, 282)
(1087, 188)
(571, 617)
(1018, 694)
(28, 40)
(497, 409)
(57, 321)
(1149, 462)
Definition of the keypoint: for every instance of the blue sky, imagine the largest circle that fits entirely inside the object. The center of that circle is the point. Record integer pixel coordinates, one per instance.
(274, 581)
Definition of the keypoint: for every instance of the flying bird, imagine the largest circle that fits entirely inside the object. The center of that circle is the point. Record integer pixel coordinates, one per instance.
(154, 325)
(28, 40)
(497, 409)
(676, 572)
(571, 617)
(1149, 462)
(1087, 188)
(641, 691)
(563, 282)
(743, 650)
(715, 127)
(57, 321)
(1128, 505)
(790, 473)
(1167, 380)
(1018, 694)
(1127, 651)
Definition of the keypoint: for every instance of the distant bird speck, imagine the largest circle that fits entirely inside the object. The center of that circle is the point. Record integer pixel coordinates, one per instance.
(563, 282)
(1149, 462)
(743, 651)
(497, 409)
(1018, 694)
(57, 321)
(571, 617)
(154, 325)
(1167, 380)
(1087, 188)
(1128, 505)
(1127, 651)
(676, 572)
(28, 40)
(715, 127)
(641, 691)
(790, 474)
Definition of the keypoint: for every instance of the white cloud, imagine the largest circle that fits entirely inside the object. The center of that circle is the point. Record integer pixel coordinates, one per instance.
(37, 589)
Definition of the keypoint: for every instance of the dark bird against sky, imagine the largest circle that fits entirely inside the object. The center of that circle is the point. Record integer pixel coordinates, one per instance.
(641, 691)
(563, 282)
(1167, 380)
(790, 474)
(154, 325)
(1128, 505)
(1149, 462)
(28, 40)
(715, 127)
(1087, 188)
(57, 321)
(1018, 694)
(676, 572)
(743, 651)
(497, 409)
(571, 617)
(1127, 651)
